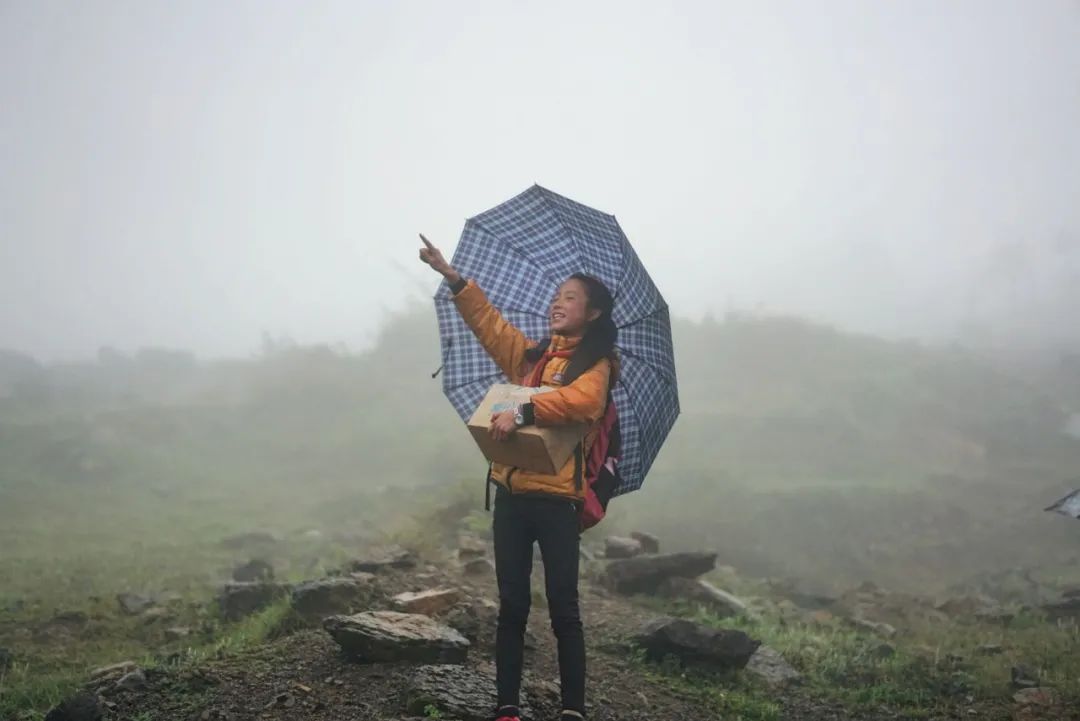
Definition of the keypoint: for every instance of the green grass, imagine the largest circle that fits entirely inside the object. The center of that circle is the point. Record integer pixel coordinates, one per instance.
(918, 679)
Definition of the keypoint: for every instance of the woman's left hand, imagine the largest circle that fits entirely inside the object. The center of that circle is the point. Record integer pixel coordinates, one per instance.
(503, 425)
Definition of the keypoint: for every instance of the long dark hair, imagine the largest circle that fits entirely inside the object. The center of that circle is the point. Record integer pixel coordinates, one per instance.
(600, 334)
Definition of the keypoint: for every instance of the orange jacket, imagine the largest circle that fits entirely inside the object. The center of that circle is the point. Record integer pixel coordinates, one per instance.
(582, 401)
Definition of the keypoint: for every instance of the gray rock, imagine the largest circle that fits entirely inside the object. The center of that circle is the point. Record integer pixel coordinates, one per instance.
(243, 599)
(472, 619)
(112, 672)
(251, 539)
(176, 633)
(769, 666)
(254, 570)
(327, 596)
(649, 542)
(1044, 697)
(429, 603)
(470, 547)
(133, 604)
(586, 554)
(479, 567)
(387, 636)
(644, 574)
(1067, 607)
(382, 559)
(879, 627)
(81, 706)
(698, 591)
(694, 643)
(457, 692)
(1023, 677)
(620, 547)
(132, 681)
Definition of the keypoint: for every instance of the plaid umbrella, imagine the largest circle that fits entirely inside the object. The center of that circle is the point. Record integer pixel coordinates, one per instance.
(1067, 506)
(519, 252)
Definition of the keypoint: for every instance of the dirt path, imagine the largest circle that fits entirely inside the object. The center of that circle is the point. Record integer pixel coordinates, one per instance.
(304, 676)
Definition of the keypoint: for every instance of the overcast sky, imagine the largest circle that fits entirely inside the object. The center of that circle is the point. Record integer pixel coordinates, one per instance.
(192, 174)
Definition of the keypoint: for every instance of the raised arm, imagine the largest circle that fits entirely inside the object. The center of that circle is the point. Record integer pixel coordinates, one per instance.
(503, 342)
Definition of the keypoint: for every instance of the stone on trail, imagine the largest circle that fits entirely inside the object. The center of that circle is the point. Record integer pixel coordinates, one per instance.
(388, 636)
(112, 672)
(649, 542)
(383, 559)
(242, 599)
(175, 633)
(457, 692)
(696, 644)
(479, 567)
(621, 547)
(698, 591)
(768, 665)
(327, 596)
(254, 570)
(644, 574)
(429, 603)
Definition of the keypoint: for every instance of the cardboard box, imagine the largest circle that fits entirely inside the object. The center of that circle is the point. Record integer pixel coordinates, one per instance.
(544, 450)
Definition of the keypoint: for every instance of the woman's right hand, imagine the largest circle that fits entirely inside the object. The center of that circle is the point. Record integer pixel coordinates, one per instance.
(432, 256)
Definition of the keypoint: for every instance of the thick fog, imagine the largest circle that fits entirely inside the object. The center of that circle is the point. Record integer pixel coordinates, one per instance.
(191, 175)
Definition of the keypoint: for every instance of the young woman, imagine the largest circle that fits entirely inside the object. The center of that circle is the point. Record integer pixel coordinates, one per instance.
(580, 364)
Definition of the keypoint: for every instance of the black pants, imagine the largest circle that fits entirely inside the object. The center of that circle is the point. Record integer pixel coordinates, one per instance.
(521, 520)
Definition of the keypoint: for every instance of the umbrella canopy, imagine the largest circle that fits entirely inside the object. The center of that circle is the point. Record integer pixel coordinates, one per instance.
(1067, 506)
(519, 252)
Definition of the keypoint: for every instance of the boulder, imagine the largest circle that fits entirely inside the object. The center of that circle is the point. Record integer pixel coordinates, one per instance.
(429, 603)
(242, 599)
(773, 669)
(621, 547)
(456, 692)
(383, 559)
(388, 636)
(698, 591)
(696, 644)
(644, 574)
(254, 570)
(649, 543)
(315, 599)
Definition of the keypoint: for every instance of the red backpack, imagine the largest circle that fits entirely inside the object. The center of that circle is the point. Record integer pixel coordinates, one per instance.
(602, 467)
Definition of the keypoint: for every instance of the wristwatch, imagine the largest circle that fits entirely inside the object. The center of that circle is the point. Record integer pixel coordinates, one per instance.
(519, 415)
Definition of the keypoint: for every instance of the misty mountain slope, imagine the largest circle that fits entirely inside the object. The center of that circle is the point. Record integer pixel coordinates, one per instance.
(777, 412)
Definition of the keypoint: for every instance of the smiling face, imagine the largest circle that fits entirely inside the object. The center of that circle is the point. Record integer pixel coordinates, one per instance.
(570, 313)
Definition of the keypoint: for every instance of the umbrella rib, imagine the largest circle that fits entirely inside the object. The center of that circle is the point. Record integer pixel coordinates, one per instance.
(663, 307)
(524, 258)
(646, 363)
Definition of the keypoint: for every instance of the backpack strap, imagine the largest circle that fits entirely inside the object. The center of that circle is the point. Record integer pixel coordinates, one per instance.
(487, 490)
